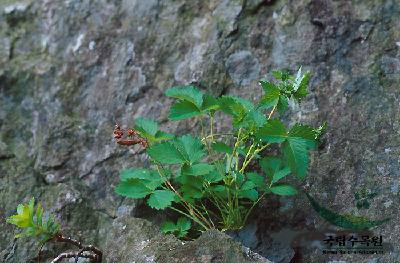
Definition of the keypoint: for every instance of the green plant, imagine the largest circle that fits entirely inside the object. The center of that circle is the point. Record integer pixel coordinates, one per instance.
(211, 179)
(35, 225)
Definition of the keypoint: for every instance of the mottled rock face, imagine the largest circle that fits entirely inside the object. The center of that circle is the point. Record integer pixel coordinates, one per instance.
(70, 69)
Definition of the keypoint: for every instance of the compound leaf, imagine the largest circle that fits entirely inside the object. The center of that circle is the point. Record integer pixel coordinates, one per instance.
(161, 199)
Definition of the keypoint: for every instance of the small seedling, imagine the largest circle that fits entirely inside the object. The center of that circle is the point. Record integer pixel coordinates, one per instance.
(34, 224)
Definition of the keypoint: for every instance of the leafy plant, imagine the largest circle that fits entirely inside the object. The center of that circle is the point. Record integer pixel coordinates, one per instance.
(31, 220)
(35, 225)
(208, 179)
(180, 229)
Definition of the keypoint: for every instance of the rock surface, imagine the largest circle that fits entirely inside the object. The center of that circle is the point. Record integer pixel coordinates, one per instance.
(137, 240)
(69, 69)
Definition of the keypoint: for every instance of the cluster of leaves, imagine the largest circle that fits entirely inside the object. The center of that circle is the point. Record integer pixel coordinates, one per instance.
(180, 229)
(33, 223)
(206, 178)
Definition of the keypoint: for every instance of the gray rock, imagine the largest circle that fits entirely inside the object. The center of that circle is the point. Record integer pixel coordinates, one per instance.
(243, 67)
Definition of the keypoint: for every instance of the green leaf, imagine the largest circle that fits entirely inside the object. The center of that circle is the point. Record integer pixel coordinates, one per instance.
(345, 221)
(209, 103)
(189, 147)
(283, 189)
(300, 85)
(251, 194)
(183, 223)
(161, 199)
(146, 127)
(296, 149)
(180, 229)
(213, 177)
(280, 174)
(235, 106)
(257, 179)
(131, 173)
(270, 165)
(183, 110)
(271, 97)
(252, 119)
(283, 103)
(168, 227)
(163, 136)
(272, 132)
(166, 153)
(198, 169)
(247, 185)
(222, 147)
(133, 188)
(186, 93)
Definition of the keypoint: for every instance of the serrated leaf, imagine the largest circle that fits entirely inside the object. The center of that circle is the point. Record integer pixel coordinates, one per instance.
(198, 169)
(168, 227)
(257, 179)
(272, 132)
(271, 97)
(131, 173)
(183, 110)
(345, 221)
(163, 136)
(251, 194)
(283, 103)
(133, 188)
(283, 189)
(209, 103)
(166, 153)
(186, 93)
(270, 165)
(213, 177)
(161, 199)
(296, 149)
(303, 131)
(183, 223)
(280, 174)
(300, 85)
(222, 147)
(146, 127)
(189, 147)
(235, 106)
(252, 120)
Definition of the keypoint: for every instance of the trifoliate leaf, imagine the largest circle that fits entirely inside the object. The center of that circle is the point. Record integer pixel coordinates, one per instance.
(161, 199)
(186, 93)
(345, 221)
(271, 97)
(132, 188)
(183, 110)
(235, 106)
(221, 147)
(210, 103)
(272, 132)
(283, 189)
(280, 174)
(189, 147)
(166, 153)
